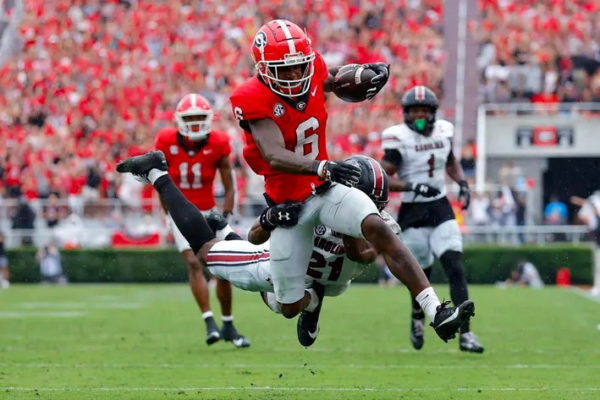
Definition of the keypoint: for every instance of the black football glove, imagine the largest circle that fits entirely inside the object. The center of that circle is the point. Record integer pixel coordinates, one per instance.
(281, 215)
(337, 171)
(465, 194)
(423, 189)
(379, 80)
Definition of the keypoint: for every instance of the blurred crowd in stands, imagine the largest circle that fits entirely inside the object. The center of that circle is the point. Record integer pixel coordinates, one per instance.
(539, 51)
(95, 80)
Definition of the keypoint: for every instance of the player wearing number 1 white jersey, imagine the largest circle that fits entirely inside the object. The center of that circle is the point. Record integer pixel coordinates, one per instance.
(420, 151)
(423, 158)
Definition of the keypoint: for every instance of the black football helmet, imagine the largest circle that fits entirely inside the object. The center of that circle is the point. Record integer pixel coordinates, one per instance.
(420, 96)
(373, 180)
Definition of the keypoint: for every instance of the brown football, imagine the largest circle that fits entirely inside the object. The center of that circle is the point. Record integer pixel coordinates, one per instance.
(352, 82)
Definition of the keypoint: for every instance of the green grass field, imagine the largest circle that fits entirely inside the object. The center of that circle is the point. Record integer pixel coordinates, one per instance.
(147, 342)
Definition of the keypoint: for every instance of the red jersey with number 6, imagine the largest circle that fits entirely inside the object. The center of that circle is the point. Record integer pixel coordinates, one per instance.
(301, 122)
(193, 170)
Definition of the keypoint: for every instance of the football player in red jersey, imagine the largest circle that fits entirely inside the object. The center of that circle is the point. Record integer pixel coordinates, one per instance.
(194, 153)
(282, 111)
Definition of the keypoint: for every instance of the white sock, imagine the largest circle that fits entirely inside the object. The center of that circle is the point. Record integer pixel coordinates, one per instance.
(155, 173)
(226, 318)
(273, 303)
(207, 314)
(314, 300)
(429, 302)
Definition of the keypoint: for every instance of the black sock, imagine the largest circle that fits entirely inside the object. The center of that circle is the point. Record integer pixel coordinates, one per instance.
(452, 262)
(417, 311)
(187, 217)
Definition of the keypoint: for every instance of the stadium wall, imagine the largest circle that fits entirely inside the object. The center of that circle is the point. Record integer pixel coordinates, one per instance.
(483, 264)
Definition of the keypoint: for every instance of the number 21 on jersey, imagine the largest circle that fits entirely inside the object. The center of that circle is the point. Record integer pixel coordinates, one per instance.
(196, 181)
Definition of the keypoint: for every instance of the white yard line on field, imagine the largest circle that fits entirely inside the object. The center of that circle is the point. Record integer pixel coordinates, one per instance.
(67, 305)
(294, 366)
(299, 389)
(36, 314)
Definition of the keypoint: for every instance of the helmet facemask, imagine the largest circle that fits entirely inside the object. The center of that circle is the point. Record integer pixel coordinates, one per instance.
(423, 125)
(194, 124)
(272, 71)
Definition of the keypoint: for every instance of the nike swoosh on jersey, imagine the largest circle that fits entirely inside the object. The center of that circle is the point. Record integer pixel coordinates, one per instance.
(314, 91)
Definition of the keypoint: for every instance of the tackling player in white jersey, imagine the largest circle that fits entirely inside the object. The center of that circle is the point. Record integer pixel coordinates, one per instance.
(247, 259)
(420, 151)
(335, 260)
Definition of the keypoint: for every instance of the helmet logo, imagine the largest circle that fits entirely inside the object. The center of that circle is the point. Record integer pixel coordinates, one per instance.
(278, 110)
(260, 41)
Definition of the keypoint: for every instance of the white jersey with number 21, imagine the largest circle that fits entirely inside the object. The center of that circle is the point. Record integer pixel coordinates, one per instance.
(423, 157)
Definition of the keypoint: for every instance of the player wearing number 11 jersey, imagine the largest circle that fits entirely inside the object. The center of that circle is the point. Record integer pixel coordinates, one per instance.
(194, 153)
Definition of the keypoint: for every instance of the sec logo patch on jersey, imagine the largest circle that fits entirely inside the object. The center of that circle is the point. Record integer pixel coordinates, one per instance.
(173, 149)
(278, 110)
(320, 230)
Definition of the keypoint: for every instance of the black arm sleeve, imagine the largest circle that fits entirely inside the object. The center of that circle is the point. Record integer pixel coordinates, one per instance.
(392, 156)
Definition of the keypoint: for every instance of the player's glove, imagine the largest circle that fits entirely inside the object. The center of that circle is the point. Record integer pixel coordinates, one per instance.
(342, 172)
(390, 222)
(465, 194)
(423, 189)
(379, 80)
(281, 215)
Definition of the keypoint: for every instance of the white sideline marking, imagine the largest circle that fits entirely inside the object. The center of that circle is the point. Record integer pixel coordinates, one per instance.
(295, 366)
(301, 388)
(35, 314)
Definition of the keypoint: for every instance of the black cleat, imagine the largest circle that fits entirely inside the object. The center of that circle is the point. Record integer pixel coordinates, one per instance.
(469, 342)
(213, 334)
(417, 332)
(230, 334)
(141, 165)
(449, 319)
(308, 322)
